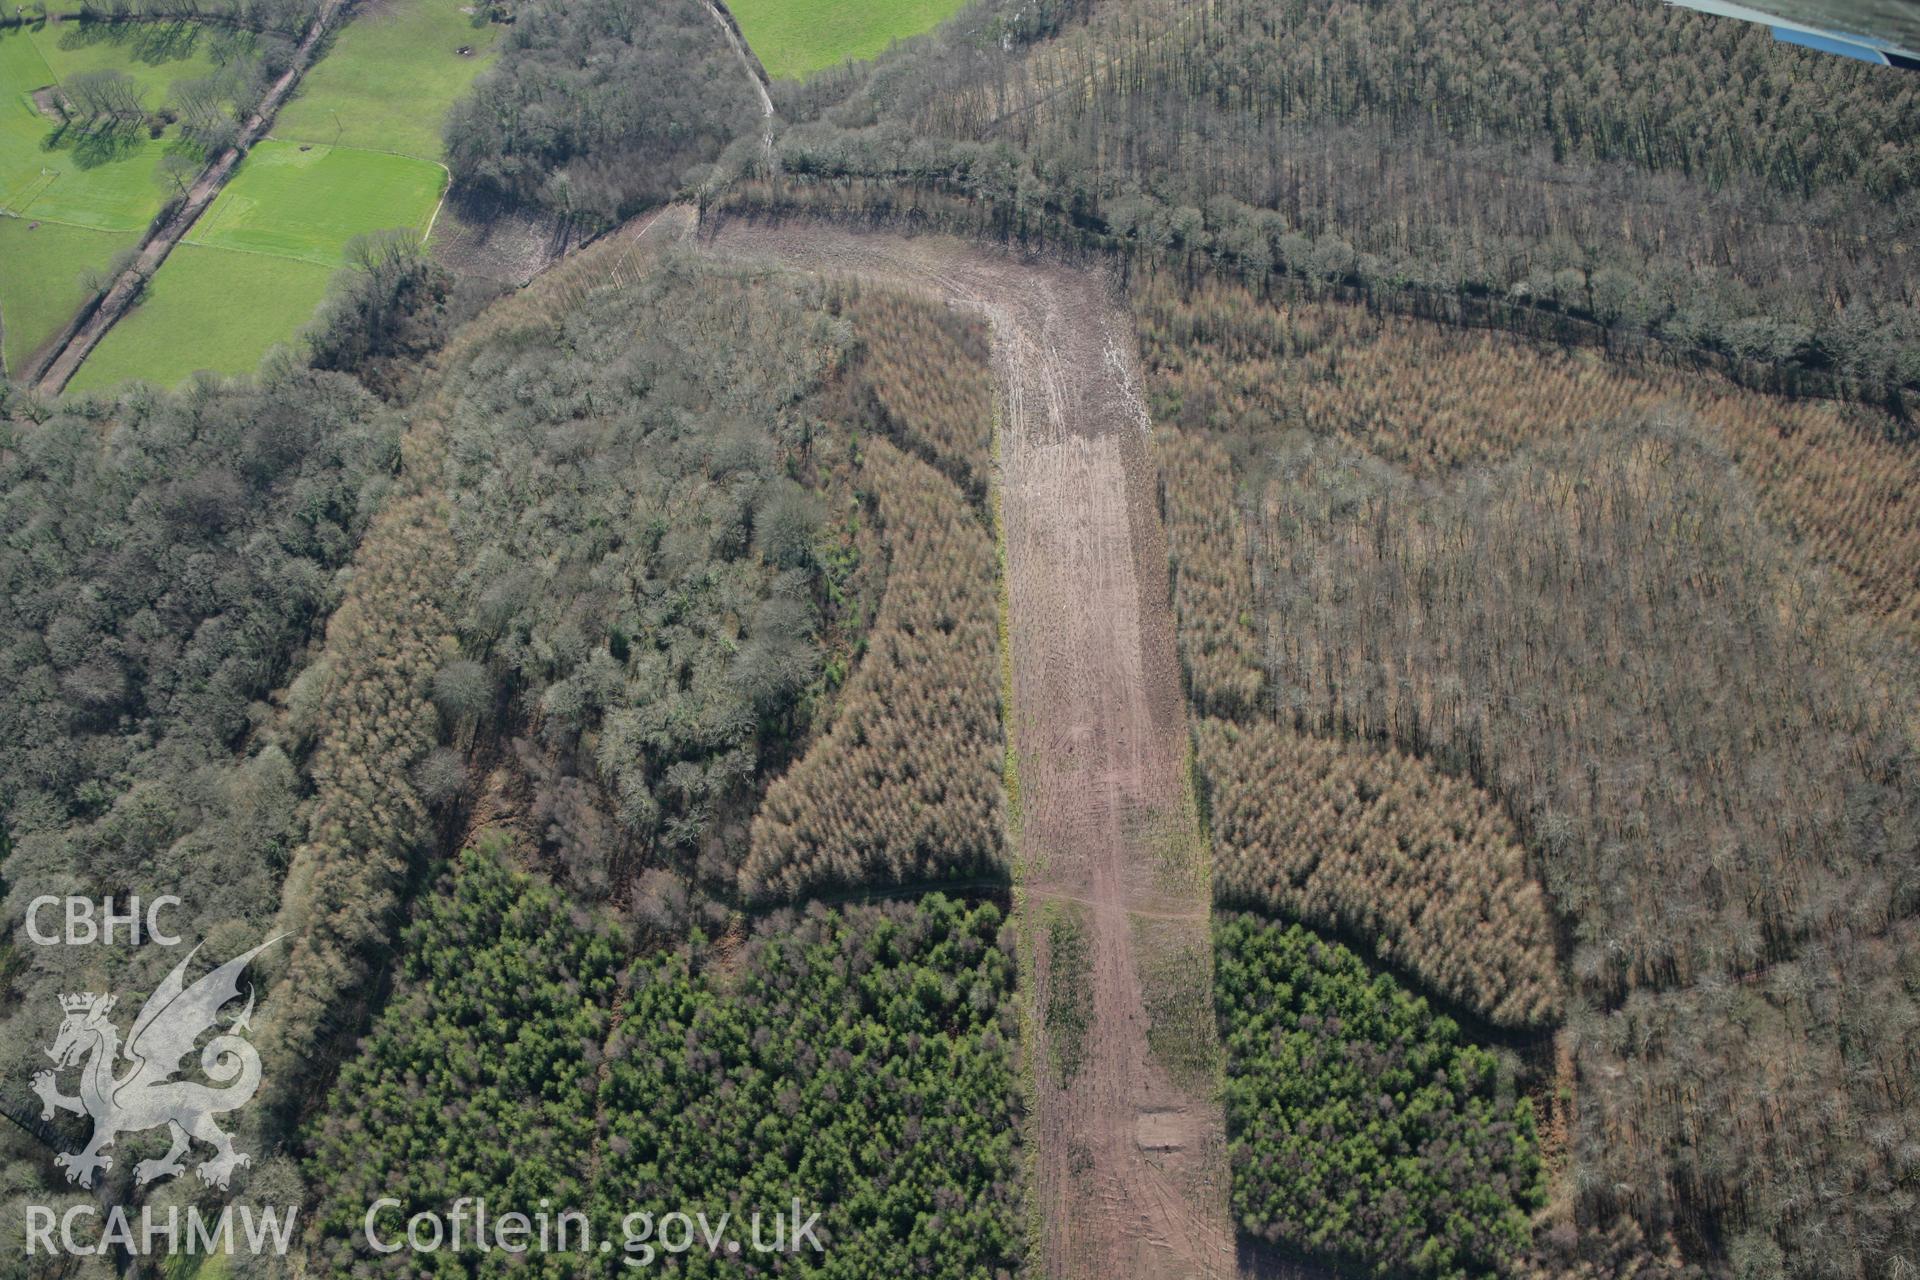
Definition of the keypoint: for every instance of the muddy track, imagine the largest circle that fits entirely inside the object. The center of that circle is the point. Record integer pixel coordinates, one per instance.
(755, 72)
(1131, 1166)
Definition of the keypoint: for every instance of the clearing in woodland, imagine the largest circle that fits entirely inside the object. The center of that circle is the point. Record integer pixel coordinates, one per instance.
(1131, 1173)
(798, 37)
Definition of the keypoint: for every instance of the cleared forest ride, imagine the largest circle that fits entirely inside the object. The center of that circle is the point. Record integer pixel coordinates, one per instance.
(1131, 1170)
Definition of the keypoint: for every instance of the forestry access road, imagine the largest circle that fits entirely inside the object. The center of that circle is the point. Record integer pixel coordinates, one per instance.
(1131, 1171)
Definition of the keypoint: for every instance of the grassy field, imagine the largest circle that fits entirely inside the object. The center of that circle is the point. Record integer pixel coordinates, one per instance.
(252, 271)
(207, 309)
(796, 37)
(155, 54)
(24, 168)
(40, 270)
(106, 183)
(293, 200)
(356, 151)
(389, 79)
(75, 201)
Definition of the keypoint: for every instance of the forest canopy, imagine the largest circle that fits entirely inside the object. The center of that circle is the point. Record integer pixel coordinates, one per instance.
(1605, 170)
(1360, 1126)
(597, 109)
(1662, 659)
(165, 563)
(859, 1063)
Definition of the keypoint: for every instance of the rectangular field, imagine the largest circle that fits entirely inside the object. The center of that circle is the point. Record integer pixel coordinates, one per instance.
(40, 269)
(297, 200)
(794, 38)
(252, 271)
(389, 79)
(207, 309)
(106, 182)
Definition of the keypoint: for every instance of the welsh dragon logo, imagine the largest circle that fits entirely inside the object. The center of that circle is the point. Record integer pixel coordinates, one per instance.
(145, 1096)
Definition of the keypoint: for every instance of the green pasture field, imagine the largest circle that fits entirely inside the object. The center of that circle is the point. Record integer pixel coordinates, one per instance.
(22, 127)
(207, 309)
(40, 269)
(293, 203)
(797, 37)
(22, 69)
(252, 271)
(76, 201)
(108, 183)
(155, 54)
(389, 79)
(256, 265)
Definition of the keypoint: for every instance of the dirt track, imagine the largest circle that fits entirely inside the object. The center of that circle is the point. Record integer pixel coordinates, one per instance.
(1132, 1172)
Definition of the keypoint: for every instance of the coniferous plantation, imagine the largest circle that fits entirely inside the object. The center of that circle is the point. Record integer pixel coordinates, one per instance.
(646, 705)
(1363, 1129)
(858, 1062)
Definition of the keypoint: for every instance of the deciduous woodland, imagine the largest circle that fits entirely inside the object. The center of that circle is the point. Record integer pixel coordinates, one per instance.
(1837, 477)
(1612, 171)
(597, 110)
(1700, 730)
(169, 562)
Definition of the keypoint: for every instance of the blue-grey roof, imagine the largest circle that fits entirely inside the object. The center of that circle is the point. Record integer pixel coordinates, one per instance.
(1803, 23)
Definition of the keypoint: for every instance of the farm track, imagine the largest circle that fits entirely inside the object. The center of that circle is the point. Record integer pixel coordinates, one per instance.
(63, 358)
(1131, 1170)
(755, 72)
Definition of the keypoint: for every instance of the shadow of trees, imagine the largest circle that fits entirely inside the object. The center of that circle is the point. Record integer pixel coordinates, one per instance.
(151, 43)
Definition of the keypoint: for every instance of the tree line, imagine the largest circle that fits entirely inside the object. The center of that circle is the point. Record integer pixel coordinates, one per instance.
(290, 18)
